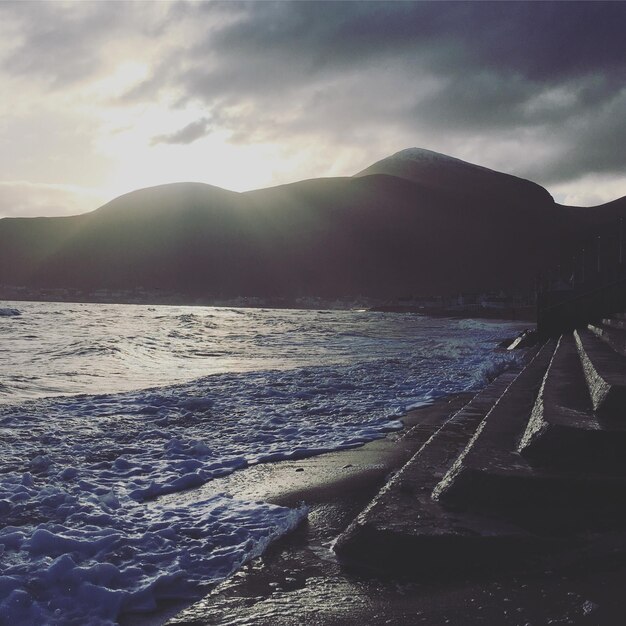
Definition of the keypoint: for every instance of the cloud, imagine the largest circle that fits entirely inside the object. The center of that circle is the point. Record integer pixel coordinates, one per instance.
(534, 89)
(57, 42)
(443, 73)
(590, 190)
(593, 142)
(27, 199)
(274, 44)
(190, 133)
(68, 43)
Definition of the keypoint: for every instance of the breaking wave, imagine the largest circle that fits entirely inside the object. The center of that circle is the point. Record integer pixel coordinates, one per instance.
(86, 536)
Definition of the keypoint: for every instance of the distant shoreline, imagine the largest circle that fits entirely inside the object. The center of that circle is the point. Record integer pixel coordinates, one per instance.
(522, 313)
(154, 298)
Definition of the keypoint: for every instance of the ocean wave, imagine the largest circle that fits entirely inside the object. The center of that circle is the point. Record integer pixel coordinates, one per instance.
(492, 368)
(87, 349)
(96, 564)
(480, 324)
(124, 347)
(73, 505)
(81, 477)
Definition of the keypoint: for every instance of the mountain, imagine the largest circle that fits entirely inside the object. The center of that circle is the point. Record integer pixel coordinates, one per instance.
(417, 222)
(456, 177)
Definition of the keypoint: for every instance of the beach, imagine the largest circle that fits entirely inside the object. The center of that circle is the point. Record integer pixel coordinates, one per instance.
(171, 480)
(300, 580)
(335, 487)
(319, 488)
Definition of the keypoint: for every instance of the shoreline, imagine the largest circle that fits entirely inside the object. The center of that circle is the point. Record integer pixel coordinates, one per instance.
(299, 579)
(335, 486)
(353, 479)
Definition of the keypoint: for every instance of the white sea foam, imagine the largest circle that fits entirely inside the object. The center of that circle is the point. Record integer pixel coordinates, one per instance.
(85, 535)
(109, 557)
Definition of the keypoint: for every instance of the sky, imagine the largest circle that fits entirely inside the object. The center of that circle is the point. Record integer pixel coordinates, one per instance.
(100, 98)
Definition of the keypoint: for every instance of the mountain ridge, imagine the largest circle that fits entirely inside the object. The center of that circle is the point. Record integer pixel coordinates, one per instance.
(441, 171)
(440, 228)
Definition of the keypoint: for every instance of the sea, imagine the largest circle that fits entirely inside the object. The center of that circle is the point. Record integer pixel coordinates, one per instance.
(106, 407)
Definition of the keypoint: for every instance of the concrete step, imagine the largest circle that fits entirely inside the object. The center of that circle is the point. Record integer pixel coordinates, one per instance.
(613, 322)
(563, 431)
(613, 337)
(492, 477)
(605, 374)
(492, 454)
(544, 502)
(404, 529)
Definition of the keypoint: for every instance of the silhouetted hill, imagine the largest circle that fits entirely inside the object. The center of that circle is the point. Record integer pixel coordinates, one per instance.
(427, 225)
(456, 177)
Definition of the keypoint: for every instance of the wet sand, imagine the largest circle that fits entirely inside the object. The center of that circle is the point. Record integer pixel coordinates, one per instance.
(299, 580)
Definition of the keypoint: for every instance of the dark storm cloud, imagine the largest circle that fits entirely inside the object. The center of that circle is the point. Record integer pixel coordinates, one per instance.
(346, 71)
(549, 67)
(294, 42)
(190, 133)
(592, 144)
